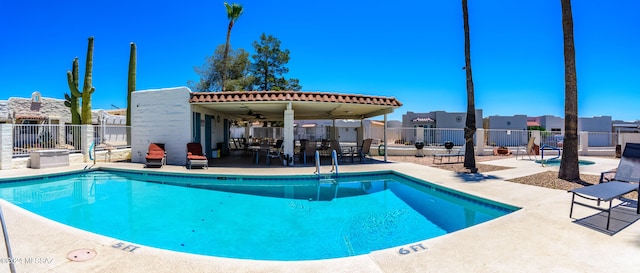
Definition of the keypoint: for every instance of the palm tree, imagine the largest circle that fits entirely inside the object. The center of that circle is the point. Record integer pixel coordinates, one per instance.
(470, 125)
(233, 13)
(569, 163)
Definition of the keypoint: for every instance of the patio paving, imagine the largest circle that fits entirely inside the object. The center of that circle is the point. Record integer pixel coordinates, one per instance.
(540, 237)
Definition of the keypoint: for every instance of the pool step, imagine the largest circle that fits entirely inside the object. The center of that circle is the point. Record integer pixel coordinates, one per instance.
(327, 181)
(327, 190)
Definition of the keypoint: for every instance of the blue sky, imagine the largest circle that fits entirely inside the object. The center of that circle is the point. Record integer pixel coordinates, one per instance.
(411, 50)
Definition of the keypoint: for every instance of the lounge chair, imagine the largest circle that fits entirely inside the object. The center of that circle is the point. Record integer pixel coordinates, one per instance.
(156, 156)
(363, 150)
(275, 152)
(325, 147)
(340, 153)
(529, 150)
(458, 155)
(310, 148)
(195, 156)
(624, 181)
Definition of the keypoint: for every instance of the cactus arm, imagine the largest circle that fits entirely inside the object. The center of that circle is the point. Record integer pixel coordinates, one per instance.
(72, 80)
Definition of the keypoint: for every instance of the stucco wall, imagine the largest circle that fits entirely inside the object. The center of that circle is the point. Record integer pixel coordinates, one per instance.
(552, 123)
(517, 122)
(6, 146)
(161, 116)
(595, 124)
(52, 108)
(4, 111)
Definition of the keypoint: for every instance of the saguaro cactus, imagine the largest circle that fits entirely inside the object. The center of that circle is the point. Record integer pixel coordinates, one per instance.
(87, 88)
(72, 79)
(131, 86)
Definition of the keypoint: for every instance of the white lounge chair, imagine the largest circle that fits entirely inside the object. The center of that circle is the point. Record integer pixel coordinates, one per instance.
(626, 180)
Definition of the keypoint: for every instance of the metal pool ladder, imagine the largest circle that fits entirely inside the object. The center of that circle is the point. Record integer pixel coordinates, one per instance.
(12, 265)
(334, 163)
(317, 159)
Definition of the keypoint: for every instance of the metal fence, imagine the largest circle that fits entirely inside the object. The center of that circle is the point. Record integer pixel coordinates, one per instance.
(430, 136)
(506, 138)
(492, 137)
(602, 139)
(111, 136)
(32, 137)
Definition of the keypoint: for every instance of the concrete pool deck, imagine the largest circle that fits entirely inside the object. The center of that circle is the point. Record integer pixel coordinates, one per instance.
(540, 237)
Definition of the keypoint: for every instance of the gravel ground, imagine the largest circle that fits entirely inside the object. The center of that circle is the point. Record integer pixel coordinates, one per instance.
(548, 179)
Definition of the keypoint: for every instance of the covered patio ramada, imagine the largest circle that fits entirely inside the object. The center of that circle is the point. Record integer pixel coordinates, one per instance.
(177, 116)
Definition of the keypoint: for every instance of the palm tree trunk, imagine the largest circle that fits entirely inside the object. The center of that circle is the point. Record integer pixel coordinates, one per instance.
(470, 125)
(569, 169)
(224, 58)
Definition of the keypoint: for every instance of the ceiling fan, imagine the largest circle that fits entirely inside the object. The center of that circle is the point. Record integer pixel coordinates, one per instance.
(256, 115)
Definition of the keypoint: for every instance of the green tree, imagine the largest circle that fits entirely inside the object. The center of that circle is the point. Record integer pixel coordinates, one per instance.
(569, 169)
(212, 70)
(233, 13)
(268, 65)
(536, 128)
(470, 125)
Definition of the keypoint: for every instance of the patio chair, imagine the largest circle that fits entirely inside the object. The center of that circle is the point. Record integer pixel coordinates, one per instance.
(529, 150)
(624, 181)
(156, 155)
(309, 150)
(341, 153)
(195, 156)
(276, 152)
(325, 147)
(363, 151)
(299, 154)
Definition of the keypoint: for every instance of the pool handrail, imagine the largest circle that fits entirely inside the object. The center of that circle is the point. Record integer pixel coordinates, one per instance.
(12, 266)
(334, 162)
(547, 147)
(317, 158)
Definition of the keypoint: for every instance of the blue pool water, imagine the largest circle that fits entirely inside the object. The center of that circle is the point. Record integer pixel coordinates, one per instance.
(265, 218)
(556, 162)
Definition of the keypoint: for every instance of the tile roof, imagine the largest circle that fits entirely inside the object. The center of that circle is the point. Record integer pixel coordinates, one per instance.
(423, 120)
(301, 96)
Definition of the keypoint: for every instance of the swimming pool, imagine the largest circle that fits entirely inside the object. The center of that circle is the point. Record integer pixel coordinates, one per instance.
(249, 217)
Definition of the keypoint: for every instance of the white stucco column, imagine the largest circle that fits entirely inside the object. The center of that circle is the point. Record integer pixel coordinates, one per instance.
(288, 141)
(584, 143)
(536, 134)
(361, 134)
(384, 137)
(61, 134)
(87, 140)
(6, 146)
(419, 133)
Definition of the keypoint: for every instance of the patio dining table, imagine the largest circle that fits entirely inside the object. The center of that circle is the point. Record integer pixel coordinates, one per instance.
(257, 149)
